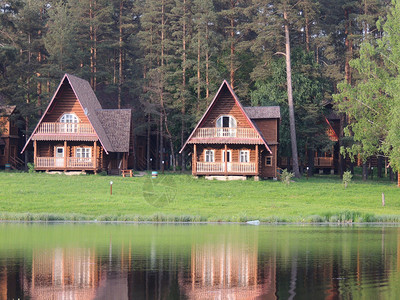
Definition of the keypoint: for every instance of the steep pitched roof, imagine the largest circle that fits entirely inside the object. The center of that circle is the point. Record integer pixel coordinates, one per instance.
(263, 112)
(93, 110)
(225, 83)
(116, 123)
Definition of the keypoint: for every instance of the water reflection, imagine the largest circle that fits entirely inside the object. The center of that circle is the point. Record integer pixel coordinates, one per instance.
(198, 262)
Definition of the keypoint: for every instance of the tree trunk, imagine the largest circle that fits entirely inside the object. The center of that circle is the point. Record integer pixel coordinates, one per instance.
(183, 92)
(310, 155)
(379, 166)
(290, 100)
(148, 158)
(120, 55)
(364, 171)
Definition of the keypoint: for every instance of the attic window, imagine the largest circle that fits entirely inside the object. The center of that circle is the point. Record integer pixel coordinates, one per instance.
(226, 121)
(226, 126)
(69, 118)
(69, 121)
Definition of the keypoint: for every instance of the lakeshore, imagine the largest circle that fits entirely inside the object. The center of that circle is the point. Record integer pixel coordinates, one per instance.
(182, 198)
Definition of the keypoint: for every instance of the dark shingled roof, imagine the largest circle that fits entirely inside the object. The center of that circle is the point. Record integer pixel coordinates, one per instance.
(116, 123)
(6, 110)
(263, 112)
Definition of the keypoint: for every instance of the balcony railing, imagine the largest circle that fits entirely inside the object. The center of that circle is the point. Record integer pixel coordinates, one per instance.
(65, 128)
(59, 162)
(219, 167)
(323, 161)
(248, 133)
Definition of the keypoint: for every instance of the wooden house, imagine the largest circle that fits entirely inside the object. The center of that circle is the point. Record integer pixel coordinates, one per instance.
(232, 140)
(10, 138)
(75, 133)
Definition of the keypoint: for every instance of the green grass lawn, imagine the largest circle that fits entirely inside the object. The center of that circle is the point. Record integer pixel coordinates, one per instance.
(174, 197)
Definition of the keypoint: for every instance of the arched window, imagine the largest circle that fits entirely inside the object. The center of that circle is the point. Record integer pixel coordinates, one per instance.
(226, 126)
(69, 121)
(69, 118)
(226, 121)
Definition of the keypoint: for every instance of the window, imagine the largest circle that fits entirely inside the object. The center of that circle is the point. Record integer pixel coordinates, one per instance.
(2, 151)
(268, 161)
(83, 152)
(229, 155)
(59, 151)
(209, 156)
(69, 118)
(226, 126)
(69, 121)
(226, 121)
(244, 156)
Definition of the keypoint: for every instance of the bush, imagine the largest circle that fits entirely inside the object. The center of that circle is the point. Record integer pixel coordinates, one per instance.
(286, 176)
(347, 178)
(31, 168)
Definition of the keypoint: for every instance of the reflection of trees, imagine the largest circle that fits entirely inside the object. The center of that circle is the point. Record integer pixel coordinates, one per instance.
(347, 264)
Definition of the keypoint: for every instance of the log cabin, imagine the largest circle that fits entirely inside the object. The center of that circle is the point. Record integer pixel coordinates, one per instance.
(76, 134)
(232, 140)
(10, 138)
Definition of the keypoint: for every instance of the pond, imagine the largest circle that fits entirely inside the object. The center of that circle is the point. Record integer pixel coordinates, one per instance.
(198, 261)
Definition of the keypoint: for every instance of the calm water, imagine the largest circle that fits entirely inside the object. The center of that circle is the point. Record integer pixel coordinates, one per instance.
(153, 261)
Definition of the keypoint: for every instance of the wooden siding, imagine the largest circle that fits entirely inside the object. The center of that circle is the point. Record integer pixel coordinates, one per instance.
(269, 171)
(225, 105)
(65, 102)
(264, 171)
(269, 129)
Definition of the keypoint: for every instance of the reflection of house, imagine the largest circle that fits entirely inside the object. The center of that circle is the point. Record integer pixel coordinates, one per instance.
(75, 133)
(228, 271)
(64, 274)
(234, 140)
(10, 138)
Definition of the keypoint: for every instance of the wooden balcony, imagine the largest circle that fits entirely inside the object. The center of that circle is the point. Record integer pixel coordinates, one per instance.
(60, 163)
(65, 128)
(324, 162)
(218, 168)
(226, 132)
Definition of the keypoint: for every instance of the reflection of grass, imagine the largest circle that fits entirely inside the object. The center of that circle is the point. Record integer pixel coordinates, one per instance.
(57, 197)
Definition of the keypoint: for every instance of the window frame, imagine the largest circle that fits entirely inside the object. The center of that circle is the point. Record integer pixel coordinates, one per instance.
(244, 154)
(220, 122)
(266, 161)
(83, 151)
(208, 157)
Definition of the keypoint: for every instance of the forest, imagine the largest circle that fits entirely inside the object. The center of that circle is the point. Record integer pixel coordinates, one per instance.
(165, 59)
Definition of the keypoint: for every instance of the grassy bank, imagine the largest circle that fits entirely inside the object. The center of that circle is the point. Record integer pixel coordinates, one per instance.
(42, 196)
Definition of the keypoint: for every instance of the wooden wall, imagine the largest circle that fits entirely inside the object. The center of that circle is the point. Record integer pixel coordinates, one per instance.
(269, 129)
(269, 171)
(225, 105)
(65, 102)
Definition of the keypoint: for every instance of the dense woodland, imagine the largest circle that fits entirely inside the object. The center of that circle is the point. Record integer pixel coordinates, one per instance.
(165, 59)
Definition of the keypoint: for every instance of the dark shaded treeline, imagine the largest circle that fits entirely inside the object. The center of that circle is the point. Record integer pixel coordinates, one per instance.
(166, 58)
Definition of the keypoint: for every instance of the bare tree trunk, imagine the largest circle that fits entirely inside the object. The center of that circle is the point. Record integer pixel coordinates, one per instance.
(198, 70)
(148, 166)
(120, 55)
(183, 94)
(91, 34)
(290, 99)
(207, 66)
(232, 57)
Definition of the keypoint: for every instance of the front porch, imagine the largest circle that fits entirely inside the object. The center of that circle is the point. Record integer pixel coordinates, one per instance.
(66, 163)
(232, 168)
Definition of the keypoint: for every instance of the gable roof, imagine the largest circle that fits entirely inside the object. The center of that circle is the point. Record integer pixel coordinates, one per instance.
(237, 102)
(93, 110)
(263, 112)
(116, 123)
(7, 110)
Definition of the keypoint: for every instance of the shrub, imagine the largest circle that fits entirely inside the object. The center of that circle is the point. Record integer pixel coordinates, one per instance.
(347, 178)
(31, 168)
(286, 176)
